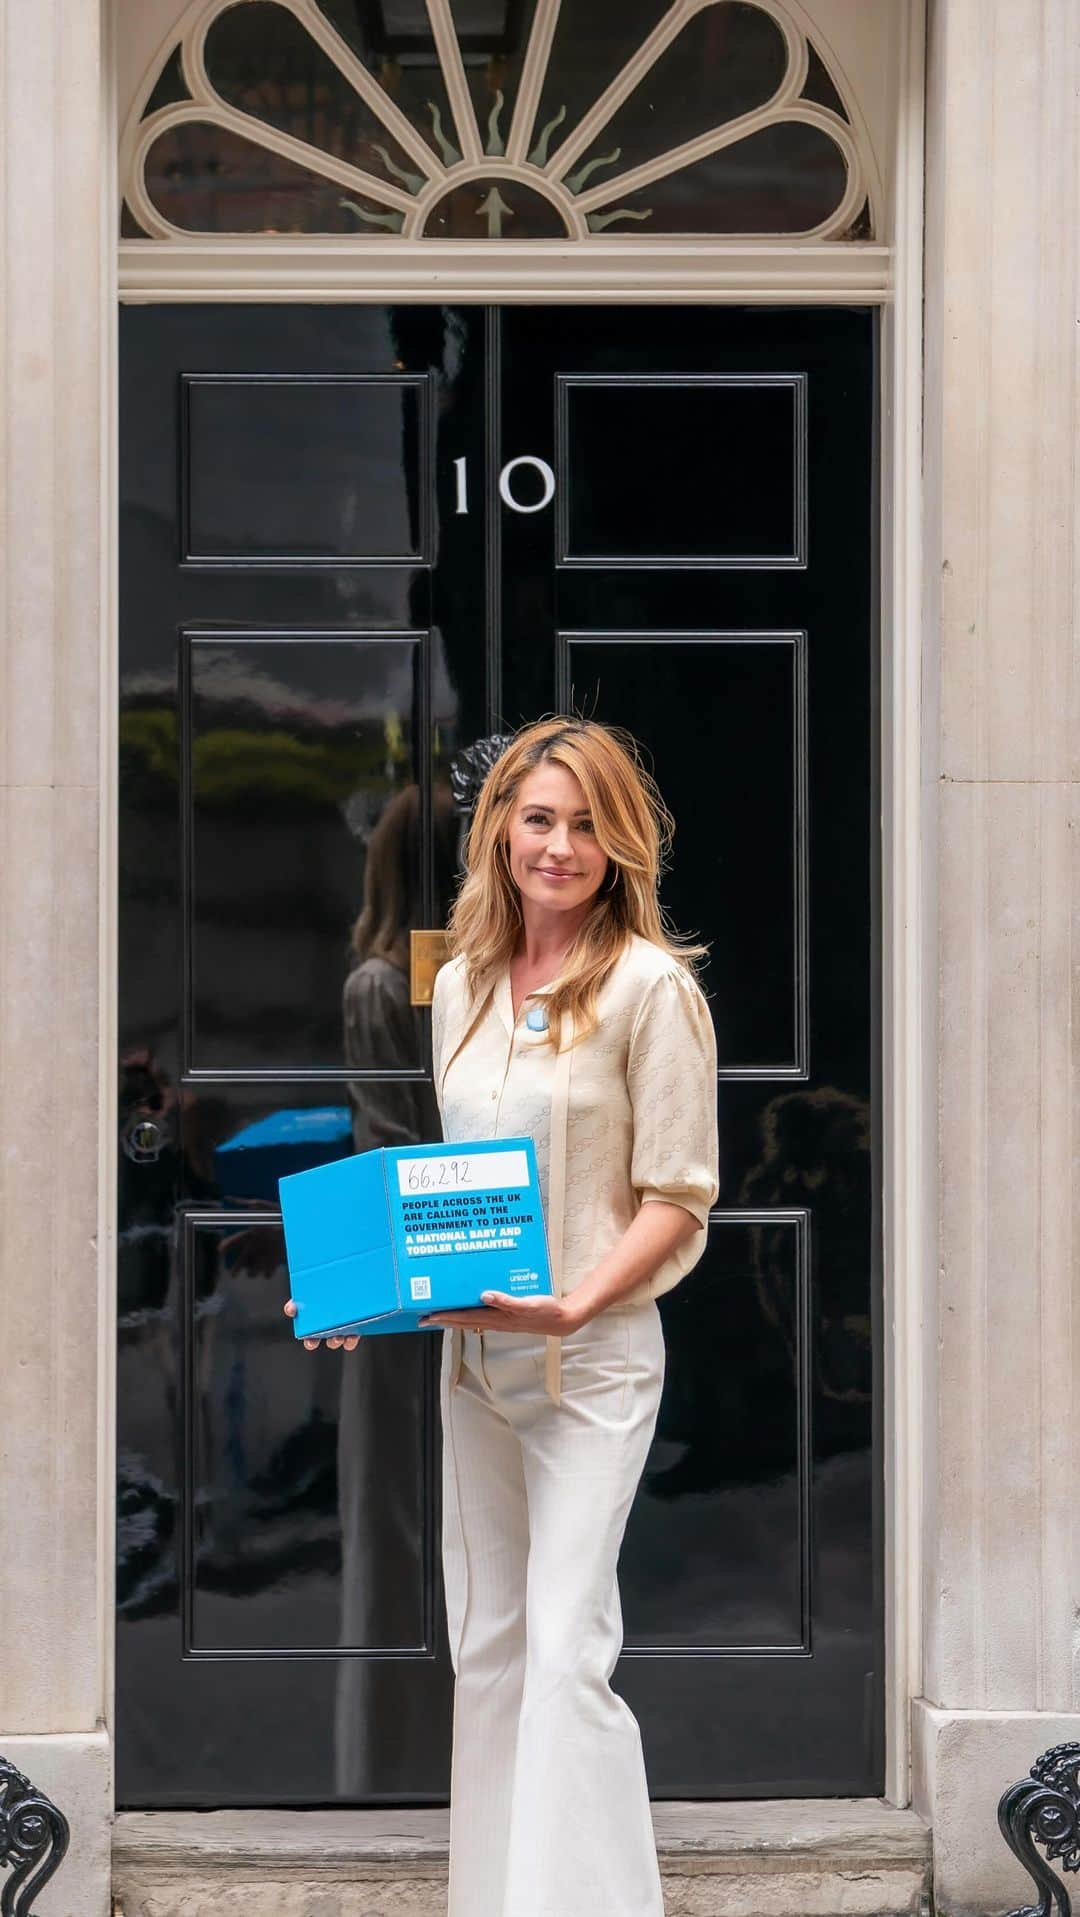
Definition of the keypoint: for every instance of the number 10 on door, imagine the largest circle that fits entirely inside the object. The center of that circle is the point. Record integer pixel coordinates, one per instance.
(506, 478)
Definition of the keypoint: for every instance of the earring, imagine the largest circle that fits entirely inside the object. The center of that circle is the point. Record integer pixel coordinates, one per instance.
(613, 881)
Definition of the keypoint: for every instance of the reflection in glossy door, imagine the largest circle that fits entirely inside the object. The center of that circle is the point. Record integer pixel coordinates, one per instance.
(311, 629)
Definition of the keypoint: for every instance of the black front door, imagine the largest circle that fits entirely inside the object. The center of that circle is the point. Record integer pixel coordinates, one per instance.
(354, 540)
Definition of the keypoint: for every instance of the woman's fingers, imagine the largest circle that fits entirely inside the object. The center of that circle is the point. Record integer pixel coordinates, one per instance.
(497, 1310)
(312, 1344)
(544, 1317)
(474, 1321)
(290, 1308)
(521, 1313)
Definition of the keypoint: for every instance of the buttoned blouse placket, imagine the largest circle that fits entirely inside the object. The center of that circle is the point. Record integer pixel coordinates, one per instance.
(503, 1005)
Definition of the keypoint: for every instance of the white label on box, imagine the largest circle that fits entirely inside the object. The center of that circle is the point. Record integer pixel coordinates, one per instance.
(420, 1287)
(463, 1171)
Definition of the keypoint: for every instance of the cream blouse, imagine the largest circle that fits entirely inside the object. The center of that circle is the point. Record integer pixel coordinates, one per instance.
(626, 1115)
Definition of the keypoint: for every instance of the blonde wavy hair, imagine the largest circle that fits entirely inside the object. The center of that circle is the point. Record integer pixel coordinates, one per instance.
(632, 825)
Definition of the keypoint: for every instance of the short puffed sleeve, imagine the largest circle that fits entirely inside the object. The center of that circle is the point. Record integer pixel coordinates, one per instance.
(671, 1078)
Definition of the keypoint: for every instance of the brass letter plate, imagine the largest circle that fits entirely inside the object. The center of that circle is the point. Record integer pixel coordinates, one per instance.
(427, 952)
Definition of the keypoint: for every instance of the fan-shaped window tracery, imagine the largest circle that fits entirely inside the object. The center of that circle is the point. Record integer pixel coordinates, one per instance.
(494, 119)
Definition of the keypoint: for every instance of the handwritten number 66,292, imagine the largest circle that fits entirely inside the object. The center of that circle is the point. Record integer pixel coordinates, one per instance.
(444, 1171)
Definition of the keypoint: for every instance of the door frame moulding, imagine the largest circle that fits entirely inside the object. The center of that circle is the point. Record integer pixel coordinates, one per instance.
(908, 951)
(313, 269)
(108, 1007)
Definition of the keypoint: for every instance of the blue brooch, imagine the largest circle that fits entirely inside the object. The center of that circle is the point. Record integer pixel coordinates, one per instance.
(536, 1019)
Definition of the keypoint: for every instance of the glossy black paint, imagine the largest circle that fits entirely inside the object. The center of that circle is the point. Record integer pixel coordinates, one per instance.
(310, 628)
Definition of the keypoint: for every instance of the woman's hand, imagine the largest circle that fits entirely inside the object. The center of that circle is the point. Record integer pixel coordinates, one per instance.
(652, 1236)
(312, 1344)
(547, 1317)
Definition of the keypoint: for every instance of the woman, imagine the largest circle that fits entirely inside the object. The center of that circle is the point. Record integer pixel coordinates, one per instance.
(569, 1015)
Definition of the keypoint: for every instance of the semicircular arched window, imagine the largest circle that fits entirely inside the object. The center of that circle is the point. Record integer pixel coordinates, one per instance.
(494, 119)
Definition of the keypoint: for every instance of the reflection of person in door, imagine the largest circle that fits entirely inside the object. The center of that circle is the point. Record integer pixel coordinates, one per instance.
(381, 1420)
(383, 1030)
(568, 1015)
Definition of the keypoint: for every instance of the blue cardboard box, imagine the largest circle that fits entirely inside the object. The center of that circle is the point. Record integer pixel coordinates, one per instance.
(380, 1239)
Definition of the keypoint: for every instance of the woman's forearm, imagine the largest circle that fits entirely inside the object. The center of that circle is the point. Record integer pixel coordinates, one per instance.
(655, 1233)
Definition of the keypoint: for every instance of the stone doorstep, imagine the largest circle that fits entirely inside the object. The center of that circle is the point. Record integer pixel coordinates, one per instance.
(834, 1857)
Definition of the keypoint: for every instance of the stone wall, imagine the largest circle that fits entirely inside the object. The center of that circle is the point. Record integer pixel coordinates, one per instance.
(1002, 1433)
(53, 1427)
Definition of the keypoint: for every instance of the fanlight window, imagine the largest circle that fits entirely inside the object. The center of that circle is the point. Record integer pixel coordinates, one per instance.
(494, 119)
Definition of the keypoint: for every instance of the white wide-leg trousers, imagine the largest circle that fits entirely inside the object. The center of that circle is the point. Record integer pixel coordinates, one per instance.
(549, 1813)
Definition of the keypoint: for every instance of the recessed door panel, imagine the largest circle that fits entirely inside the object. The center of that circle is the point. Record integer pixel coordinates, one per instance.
(310, 468)
(305, 783)
(693, 470)
(717, 1553)
(309, 1515)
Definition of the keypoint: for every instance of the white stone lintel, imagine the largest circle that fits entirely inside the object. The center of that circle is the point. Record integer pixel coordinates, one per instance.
(312, 268)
